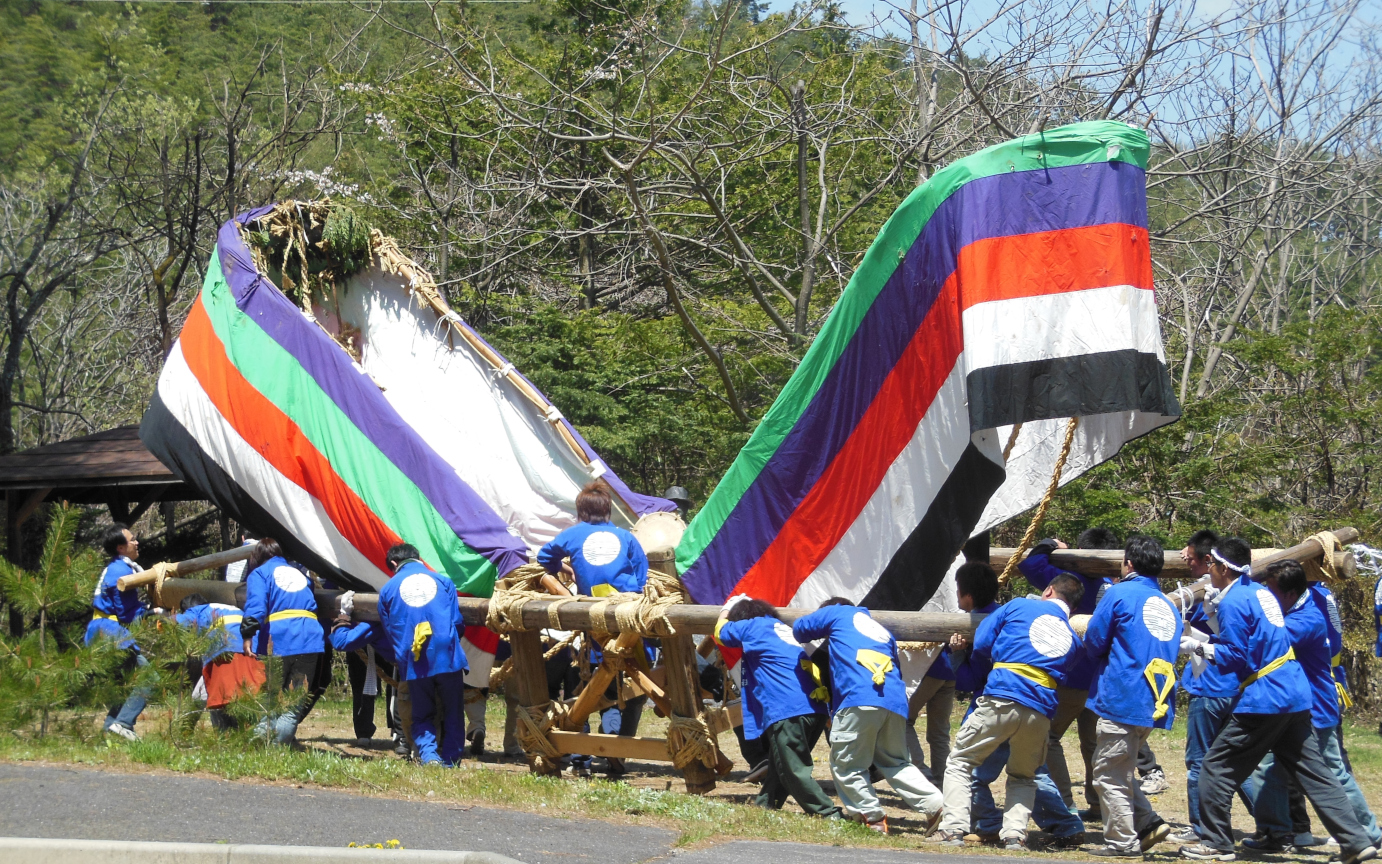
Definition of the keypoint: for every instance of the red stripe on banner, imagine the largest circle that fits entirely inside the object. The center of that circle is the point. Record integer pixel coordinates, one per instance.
(999, 268)
(279, 440)
(832, 505)
(482, 637)
(1053, 262)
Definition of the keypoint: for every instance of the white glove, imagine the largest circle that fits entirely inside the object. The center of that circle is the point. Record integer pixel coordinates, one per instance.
(1187, 645)
(732, 602)
(347, 601)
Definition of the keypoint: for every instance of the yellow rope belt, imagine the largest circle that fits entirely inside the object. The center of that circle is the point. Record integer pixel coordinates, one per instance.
(104, 616)
(1161, 693)
(292, 613)
(1031, 673)
(233, 619)
(1344, 699)
(1268, 669)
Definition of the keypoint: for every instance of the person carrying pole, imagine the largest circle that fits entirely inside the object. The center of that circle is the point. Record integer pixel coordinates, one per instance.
(784, 700)
(1030, 645)
(1133, 636)
(112, 610)
(1272, 715)
(368, 643)
(280, 618)
(869, 701)
(418, 611)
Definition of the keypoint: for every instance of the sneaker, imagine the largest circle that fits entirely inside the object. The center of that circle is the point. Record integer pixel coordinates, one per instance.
(582, 771)
(1153, 834)
(1185, 836)
(758, 773)
(1093, 814)
(400, 748)
(477, 744)
(513, 753)
(932, 822)
(1201, 852)
(1305, 840)
(1265, 845)
(949, 838)
(1014, 844)
(1155, 782)
(123, 731)
(1113, 852)
(1366, 854)
(364, 743)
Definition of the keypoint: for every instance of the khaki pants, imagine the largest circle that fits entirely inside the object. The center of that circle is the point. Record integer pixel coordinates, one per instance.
(1070, 709)
(1126, 809)
(992, 722)
(861, 736)
(938, 698)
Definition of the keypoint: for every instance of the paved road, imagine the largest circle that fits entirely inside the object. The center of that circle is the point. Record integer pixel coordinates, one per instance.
(82, 804)
(62, 802)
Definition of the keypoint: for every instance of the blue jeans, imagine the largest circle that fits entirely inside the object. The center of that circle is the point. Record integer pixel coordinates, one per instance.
(444, 692)
(1050, 813)
(625, 722)
(1206, 718)
(127, 712)
(1272, 809)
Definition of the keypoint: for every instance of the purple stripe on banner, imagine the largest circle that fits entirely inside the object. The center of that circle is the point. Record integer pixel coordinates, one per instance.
(1022, 202)
(478, 526)
(642, 504)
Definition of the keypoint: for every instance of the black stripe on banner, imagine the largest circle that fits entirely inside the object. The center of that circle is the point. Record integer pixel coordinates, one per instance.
(923, 559)
(175, 447)
(1079, 386)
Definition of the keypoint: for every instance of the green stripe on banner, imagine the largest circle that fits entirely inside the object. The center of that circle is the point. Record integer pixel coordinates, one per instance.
(385, 489)
(1076, 144)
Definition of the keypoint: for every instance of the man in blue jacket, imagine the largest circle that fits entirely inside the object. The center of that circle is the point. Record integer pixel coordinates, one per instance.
(1133, 637)
(1272, 715)
(112, 610)
(782, 705)
(419, 612)
(869, 702)
(1030, 644)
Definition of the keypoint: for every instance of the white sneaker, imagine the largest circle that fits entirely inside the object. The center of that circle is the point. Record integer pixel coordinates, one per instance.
(1155, 783)
(1307, 840)
(123, 731)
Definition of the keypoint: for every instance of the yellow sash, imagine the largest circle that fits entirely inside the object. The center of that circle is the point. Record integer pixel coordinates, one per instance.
(1161, 692)
(604, 589)
(292, 613)
(821, 693)
(102, 615)
(876, 662)
(421, 633)
(1268, 669)
(1031, 673)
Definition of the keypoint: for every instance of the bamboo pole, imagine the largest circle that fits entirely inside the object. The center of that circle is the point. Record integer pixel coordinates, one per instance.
(182, 568)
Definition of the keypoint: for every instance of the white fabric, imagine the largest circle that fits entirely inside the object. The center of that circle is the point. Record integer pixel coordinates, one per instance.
(501, 444)
(371, 687)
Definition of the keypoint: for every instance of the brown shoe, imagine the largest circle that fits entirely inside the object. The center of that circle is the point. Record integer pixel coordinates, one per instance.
(881, 826)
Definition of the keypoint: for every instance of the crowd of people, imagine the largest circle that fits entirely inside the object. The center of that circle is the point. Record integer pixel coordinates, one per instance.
(1261, 671)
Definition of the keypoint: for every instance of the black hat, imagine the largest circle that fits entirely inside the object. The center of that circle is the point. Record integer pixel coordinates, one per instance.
(678, 496)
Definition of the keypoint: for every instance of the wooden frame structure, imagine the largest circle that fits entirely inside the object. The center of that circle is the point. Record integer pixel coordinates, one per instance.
(679, 695)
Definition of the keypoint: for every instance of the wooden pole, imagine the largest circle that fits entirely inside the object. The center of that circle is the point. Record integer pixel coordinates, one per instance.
(529, 674)
(182, 568)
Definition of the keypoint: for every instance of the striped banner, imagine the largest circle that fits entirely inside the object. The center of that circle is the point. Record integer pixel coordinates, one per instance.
(1015, 286)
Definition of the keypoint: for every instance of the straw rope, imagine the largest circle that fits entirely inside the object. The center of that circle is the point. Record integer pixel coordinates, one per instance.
(534, 722)
(1040, 515)
(1323, 568)
(689, 740)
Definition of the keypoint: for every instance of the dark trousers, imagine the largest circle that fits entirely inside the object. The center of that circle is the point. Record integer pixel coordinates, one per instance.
(1146, 760)
(302, 672)
(790, 743)
(362, 706)
(439, 717)
(1236, 753)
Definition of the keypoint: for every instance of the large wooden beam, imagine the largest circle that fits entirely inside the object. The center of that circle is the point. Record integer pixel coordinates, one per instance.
(193, 565)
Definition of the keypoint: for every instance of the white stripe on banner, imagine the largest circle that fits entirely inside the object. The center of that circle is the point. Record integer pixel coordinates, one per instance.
(296, 510)
(480, 662)
(897, 506)
(1093, 321)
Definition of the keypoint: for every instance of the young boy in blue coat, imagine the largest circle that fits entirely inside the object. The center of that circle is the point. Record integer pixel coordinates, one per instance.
(1134, 638)
(781, 702)
(112, 610)
(1272, 715)
(419, 612)
(1030, 644)
(869, 702)
(1307, 621)
(280, 619)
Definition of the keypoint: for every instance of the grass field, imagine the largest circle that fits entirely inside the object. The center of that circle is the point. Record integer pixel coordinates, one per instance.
(651, 794)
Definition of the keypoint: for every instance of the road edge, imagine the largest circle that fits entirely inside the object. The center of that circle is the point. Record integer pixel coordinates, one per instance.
(35, 850)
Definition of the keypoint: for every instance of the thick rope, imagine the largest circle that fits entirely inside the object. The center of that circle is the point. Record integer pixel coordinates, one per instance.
(1040, 515)
(511, 594)
(918, 646)
(533, 725)
(1012, 439)
(1323, 568)
(689, 740)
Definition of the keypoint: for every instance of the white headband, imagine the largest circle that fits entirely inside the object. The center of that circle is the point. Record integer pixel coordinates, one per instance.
(1236, 568)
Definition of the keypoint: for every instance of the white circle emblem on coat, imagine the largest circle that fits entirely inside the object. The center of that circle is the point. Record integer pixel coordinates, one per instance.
(785, 634)
(289, 579)
(870, 628)
(600, 548)
(418, 589)
(1159, 618)
(1335, 620)
(1270, 608)
(1050, 637)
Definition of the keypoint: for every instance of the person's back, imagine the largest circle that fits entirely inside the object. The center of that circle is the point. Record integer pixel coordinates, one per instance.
(1254, 644)
(1031, 645)
(604, 558)
(281, 610)
(418, 610)
(863, 657)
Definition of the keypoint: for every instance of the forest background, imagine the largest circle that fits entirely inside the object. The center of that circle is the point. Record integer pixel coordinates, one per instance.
(651, 206)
